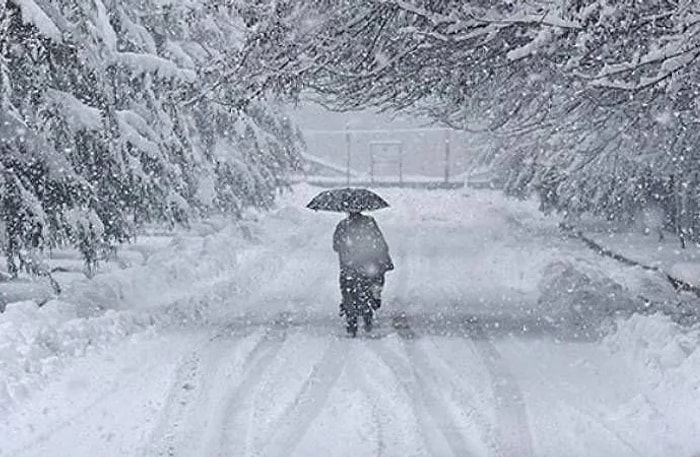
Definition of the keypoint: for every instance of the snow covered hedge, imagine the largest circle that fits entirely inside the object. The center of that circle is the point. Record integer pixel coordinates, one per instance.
(111, 115)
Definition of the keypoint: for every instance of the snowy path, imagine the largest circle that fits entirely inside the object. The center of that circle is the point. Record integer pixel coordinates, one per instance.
(458, 366)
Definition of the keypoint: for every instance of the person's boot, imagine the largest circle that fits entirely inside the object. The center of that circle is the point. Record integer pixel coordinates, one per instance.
(367, 317)
(351, 328)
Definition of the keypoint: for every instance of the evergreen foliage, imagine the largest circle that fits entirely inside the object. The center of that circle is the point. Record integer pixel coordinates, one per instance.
(113, 113)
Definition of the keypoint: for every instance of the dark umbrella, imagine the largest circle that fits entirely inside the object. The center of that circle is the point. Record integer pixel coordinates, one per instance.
(347, 200)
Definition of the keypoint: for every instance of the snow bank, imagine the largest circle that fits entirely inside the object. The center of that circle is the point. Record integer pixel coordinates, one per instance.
(579, 301)
(39, 289)
(202, 277)
(665, 358)
(186, 283)
(35, 342)
(687, 271)
(656, 342)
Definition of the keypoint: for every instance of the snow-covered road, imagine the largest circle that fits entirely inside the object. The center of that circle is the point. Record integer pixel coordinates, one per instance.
(465, 360)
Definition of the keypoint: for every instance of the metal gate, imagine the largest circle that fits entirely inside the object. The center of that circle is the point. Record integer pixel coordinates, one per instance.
(420, 156)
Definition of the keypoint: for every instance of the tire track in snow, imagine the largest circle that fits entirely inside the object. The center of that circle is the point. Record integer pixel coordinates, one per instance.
(401, 324)
(513, 426)
(291, 427)
(234, 435)
(375, 397)
(417, 389)
(187, 386)
(514, 436)
(430, 409)
(181, 394)
(115, 388)
(421, 359)
(594, 422)
(379, 427)
(403, 267)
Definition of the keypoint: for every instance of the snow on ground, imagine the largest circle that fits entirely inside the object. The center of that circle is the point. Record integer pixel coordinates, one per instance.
(173, 287)
(495, 339)
(643, 245)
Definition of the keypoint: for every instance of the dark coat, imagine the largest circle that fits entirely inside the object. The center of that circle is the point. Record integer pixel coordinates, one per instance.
(361, 247)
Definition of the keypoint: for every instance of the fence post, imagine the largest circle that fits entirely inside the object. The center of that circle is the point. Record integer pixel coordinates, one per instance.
(401, 164)
(347, 153)
(447, 156)
(371, 162)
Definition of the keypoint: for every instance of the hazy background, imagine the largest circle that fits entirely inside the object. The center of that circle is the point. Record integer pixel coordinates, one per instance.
(422, 145)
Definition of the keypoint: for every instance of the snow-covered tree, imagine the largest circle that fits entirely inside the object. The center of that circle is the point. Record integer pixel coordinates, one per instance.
(593, 103)
(112, 116)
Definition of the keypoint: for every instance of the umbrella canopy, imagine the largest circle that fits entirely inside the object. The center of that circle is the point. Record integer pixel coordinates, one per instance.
(347, 200)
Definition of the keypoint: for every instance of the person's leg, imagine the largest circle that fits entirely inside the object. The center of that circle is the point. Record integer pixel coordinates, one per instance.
(351, 323)
(350, 287)
(376, 291)
(367, 316)
(364, 300)
(345, 281)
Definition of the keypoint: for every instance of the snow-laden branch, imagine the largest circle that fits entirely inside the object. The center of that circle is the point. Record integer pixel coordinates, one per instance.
(33, 14)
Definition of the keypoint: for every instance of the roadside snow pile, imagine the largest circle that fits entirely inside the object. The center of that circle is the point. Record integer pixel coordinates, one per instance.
(579, 301)
(665, 357)
(687, 271)
(19, 290)
(35, 342)
(188, 282)
(191, 264)
(656, 342)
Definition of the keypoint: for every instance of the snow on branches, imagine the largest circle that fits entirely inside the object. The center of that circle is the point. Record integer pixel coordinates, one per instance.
(591, 103)
(109, 120)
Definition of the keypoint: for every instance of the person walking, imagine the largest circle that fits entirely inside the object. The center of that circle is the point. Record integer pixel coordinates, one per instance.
(363, 253)
(364, 259)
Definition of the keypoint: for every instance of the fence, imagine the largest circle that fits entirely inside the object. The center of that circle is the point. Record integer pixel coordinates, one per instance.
(418, 156)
